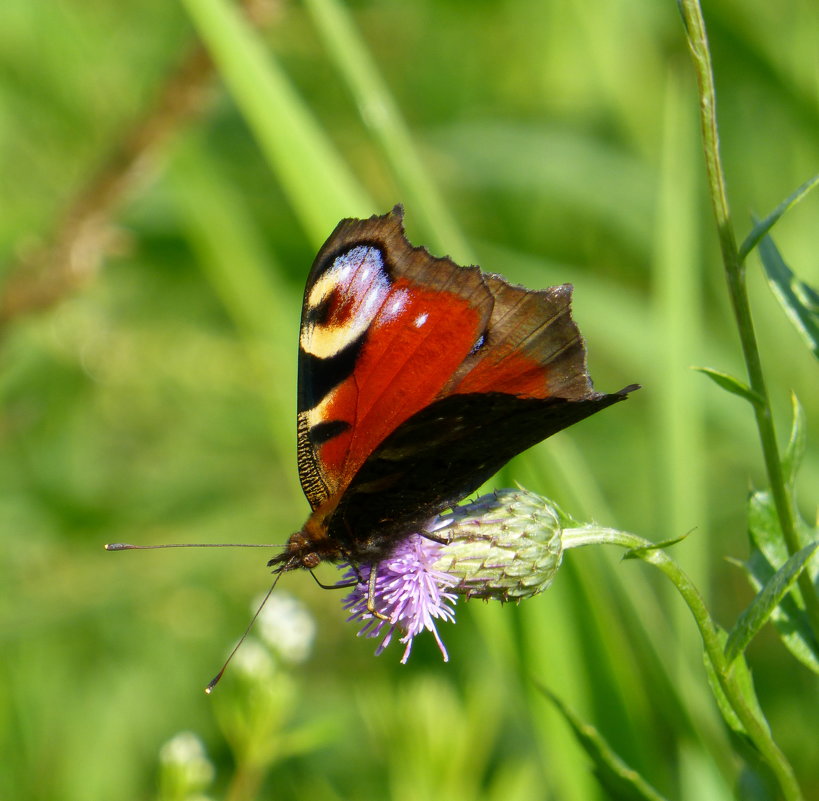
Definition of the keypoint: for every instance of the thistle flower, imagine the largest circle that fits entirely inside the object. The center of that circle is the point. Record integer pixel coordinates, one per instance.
(408, 591)
(505, 545)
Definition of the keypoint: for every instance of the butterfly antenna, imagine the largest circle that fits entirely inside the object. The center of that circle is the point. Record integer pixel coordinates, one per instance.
(124, 546)
(215, 680)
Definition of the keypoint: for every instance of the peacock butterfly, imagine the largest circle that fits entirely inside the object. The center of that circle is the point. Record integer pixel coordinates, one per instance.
(418, 380)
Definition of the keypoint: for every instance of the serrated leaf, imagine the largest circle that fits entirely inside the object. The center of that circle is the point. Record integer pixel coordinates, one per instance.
(732, 385)
(789, 618)
(797, 442)
(767, 599)
(619, 781)
(800, 301)
(761, 227)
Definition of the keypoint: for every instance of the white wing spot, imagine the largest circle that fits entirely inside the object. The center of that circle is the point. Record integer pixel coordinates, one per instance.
(420, 320)
(395, 304)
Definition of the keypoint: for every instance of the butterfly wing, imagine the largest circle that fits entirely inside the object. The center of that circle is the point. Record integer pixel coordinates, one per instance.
(419, 379)
(532, 346)
(384, 327)
(443, 453)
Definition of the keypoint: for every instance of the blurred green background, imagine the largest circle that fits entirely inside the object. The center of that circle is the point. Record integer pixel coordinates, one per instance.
(154, 401)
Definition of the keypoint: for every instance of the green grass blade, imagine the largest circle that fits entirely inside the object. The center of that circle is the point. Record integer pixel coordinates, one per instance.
(265, 311)
(319, 185)
(620, 782)
(351, 56)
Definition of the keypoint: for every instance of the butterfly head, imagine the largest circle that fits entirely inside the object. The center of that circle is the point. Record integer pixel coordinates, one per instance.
(307, 548)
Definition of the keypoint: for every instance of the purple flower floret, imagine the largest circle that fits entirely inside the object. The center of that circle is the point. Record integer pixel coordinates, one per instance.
(407, 590)
(507, 546)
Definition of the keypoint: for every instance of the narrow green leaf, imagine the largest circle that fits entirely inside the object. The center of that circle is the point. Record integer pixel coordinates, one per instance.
(766, 600)
(767, 554)
(762, 227)
(619, 781)
(725, 708)
(795, 451)
(639, 553)
(764, 530)
(800, 301)
(731, 384)
(789, 618)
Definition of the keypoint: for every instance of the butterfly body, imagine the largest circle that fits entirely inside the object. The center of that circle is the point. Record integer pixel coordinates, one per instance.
(418, 380)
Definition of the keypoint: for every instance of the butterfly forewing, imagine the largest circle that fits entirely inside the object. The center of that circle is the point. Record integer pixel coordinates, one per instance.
(533, 348)
(384, 326)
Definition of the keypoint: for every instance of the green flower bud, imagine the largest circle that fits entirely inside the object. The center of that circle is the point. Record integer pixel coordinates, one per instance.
(505, 545)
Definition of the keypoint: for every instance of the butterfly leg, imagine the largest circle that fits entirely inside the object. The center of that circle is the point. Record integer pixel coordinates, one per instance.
(344, 586)
(371, 595)
(429, 535)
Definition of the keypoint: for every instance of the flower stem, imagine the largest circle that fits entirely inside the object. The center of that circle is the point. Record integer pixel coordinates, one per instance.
(738, 292)
(756, 729)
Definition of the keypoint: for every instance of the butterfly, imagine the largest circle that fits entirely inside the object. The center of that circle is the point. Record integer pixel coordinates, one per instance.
(418, 380)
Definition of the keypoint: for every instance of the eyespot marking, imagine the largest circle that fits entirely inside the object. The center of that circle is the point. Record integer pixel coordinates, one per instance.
(344, 300)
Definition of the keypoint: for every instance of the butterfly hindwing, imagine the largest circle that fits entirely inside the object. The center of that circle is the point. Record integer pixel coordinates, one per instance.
(445, 452)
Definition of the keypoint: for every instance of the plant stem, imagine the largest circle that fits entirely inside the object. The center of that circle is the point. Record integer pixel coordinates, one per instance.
(84, 235)
(712, 638)
(738, 292)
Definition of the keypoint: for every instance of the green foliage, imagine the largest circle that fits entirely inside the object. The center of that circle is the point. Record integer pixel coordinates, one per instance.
(620, 782)
(769, 558)
(762, 227)
(797, 445)
(155, 401)
(799, 300)
(767, 600)
(731, 384)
